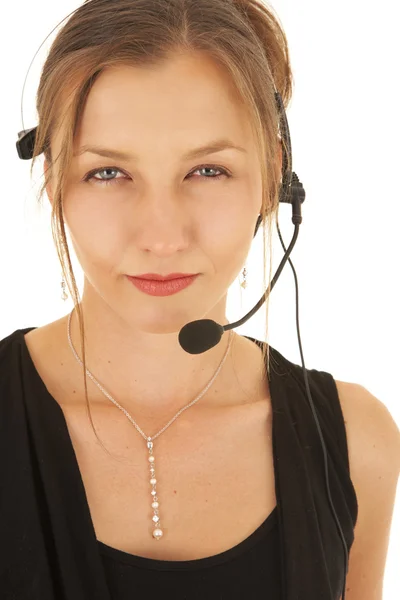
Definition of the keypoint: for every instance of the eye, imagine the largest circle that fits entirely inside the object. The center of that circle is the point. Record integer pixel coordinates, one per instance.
(224, 172)
(91, 175)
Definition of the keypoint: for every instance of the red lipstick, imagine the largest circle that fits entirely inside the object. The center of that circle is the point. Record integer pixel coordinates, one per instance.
(163, 285)
(156, 277)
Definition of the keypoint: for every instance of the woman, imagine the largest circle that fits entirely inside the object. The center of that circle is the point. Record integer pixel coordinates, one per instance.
(160, 134)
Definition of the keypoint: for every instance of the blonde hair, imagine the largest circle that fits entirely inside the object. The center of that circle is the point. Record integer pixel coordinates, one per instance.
(244, 36)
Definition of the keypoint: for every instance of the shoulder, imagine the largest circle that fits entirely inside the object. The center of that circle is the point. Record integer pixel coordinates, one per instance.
(371, 430)
(374, 457)
(9, 349)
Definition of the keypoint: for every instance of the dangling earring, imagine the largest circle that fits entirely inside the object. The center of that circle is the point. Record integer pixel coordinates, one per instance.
(64, 295)
(243, 284)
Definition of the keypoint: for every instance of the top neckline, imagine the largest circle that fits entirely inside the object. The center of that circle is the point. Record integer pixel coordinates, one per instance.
(198, 563)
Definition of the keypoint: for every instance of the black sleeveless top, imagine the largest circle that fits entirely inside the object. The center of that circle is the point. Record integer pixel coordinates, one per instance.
(244, 571)
(48, 546)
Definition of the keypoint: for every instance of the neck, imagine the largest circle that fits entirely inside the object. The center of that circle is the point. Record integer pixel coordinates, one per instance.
(147, 371)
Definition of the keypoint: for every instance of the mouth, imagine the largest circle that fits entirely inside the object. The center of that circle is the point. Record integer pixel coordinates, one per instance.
(157, 277)
(163, 287)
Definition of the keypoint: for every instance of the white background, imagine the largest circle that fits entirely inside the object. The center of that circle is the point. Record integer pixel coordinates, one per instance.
(344, 127)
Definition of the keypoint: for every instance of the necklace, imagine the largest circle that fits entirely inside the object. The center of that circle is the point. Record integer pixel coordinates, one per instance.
(156, 522)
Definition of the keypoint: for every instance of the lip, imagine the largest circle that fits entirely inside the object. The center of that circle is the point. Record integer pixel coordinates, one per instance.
(164, 287)
(156, 277)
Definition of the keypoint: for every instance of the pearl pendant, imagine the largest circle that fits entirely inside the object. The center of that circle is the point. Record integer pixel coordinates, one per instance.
(157, 532)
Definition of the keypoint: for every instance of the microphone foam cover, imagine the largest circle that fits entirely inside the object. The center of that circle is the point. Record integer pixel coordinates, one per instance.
(198, 336)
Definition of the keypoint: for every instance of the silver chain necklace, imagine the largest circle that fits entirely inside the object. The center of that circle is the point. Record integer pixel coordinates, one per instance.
(156, 523)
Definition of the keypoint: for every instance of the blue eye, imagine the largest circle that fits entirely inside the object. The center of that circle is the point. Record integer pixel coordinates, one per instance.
(212, 168)
(91, 175)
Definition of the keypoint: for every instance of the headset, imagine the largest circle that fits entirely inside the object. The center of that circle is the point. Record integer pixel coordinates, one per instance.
(199, 336)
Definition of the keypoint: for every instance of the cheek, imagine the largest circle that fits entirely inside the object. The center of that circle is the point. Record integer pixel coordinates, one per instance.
(227, 238)
(231, 212)
(96, 234)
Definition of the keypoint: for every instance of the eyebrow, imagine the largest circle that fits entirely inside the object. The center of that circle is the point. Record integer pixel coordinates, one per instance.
(211, 148)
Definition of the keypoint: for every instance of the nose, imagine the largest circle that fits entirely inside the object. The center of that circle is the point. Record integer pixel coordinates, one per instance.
(164, 226)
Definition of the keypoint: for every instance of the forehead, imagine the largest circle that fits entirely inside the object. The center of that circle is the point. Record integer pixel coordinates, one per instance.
(192, 81)
(183, 96)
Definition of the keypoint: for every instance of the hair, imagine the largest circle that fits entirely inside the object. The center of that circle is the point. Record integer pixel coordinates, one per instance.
(243, 36)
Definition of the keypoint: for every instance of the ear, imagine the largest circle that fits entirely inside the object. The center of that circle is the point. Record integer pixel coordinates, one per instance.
(279, 164)
(280, 157)
(48, 185)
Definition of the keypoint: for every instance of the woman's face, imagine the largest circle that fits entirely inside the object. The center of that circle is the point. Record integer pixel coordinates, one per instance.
(156, 208)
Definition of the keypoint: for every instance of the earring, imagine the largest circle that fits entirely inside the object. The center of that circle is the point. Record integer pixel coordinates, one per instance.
(64, 295)
(244, 282)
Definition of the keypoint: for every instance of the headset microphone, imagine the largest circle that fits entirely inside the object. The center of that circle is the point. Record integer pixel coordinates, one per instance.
(199, 336)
